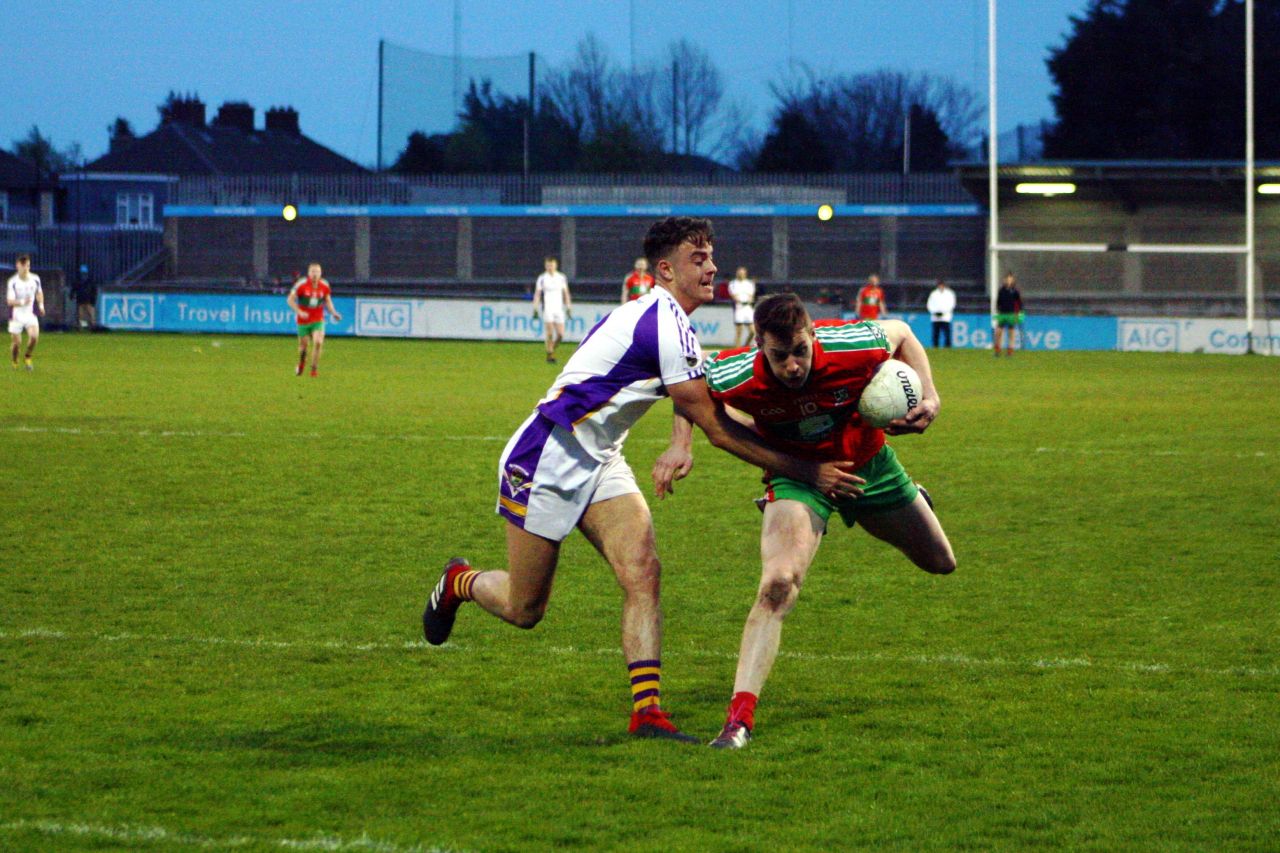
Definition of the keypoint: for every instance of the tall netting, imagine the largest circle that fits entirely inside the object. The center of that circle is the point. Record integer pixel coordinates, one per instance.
(423, 91)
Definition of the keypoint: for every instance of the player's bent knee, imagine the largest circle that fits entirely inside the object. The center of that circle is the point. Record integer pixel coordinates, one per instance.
(779, 593)
(524, 617)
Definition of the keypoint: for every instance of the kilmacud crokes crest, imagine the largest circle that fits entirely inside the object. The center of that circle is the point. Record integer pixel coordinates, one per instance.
(517, 479)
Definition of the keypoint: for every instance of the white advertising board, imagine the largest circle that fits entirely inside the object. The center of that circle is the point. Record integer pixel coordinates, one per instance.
(504, 320)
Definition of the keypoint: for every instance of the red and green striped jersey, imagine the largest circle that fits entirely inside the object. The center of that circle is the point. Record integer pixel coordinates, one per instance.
(638, 284)
(821, 420)
(311, 298)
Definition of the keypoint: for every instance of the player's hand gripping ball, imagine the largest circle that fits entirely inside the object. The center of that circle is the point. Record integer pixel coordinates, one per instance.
(891, 393)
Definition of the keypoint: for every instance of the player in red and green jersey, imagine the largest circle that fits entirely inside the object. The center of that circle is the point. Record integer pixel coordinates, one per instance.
(309, 299)
(799, 389)
(638, 283)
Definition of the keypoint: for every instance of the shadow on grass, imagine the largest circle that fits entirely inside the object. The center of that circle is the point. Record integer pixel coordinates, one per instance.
(318, 741)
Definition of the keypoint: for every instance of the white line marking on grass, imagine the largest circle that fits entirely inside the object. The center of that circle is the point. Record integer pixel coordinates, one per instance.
(959, 660)
(130, 835)
(144, 433)
(191, 433)
(1111, 451)
(369, 436)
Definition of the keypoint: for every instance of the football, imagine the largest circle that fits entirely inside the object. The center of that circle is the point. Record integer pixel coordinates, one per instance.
(890, 394)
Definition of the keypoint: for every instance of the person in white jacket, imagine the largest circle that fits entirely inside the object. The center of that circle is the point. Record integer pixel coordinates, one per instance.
(941, 307)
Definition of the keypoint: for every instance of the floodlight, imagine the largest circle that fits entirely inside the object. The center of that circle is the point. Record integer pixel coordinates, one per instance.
(289, 213)
(1044, 189)
(825, 212)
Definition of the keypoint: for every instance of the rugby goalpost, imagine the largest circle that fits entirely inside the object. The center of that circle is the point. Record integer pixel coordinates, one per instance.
(1248, 248)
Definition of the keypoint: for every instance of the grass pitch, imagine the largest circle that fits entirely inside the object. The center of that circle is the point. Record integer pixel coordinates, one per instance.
(214, 572)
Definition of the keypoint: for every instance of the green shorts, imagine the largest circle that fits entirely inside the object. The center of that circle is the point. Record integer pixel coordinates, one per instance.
(1008, 321)
(305, 329)
(888, 487)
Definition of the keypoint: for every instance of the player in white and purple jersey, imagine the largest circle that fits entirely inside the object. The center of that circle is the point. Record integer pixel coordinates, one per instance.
(564, 466)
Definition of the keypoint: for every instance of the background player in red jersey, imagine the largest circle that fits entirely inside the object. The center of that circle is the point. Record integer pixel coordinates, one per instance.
(638, 283)
(871, 299)
(309, 299)
(800, 391)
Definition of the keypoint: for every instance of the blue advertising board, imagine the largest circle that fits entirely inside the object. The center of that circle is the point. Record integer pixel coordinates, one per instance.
(645, 210)
(1041, 332)
(511, 320)
(210, 312)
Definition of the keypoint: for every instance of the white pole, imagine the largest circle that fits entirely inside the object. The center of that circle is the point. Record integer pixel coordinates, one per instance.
(1251, 254)
(993, 233)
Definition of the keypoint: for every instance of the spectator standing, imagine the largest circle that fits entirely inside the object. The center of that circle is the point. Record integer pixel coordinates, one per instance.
(941, 307)
(1009, 313)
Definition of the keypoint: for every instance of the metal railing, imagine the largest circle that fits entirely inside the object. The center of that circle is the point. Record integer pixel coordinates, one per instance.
(694, 188)
(106, 251)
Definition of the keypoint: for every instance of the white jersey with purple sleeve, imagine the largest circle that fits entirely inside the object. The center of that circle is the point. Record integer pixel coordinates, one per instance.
(621, 369)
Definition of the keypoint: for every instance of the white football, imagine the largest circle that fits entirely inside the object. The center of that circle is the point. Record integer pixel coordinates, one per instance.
(891, 393)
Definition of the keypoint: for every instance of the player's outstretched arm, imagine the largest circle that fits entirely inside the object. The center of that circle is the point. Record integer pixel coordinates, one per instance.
(333, 312)
(693, 402)
(907, 347)
(40, 299)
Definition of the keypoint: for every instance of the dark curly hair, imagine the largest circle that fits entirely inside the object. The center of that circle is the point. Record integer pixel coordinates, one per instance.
(665, 234)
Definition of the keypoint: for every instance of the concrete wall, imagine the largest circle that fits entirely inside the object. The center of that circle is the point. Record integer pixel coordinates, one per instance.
(592, 249)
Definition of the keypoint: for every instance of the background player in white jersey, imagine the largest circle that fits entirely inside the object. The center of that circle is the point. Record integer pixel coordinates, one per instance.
(25, 298)
(742, 291)
(551, 298)
(564, 467)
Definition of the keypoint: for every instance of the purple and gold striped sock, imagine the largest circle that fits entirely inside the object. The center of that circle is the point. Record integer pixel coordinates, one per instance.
(645, 678)
(463, 582)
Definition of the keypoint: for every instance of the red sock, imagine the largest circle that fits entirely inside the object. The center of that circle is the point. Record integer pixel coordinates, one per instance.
(742, 708)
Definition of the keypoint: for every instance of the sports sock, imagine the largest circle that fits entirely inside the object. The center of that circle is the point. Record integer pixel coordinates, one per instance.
(646, 675)
(462, 583)
(742, 708)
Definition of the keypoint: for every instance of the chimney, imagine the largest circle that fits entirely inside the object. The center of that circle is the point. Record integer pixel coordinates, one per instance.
(283, 119)
(121, 134)
(185, 110)
(236, 114)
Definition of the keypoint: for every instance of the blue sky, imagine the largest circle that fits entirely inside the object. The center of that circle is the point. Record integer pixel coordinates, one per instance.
(80, 63)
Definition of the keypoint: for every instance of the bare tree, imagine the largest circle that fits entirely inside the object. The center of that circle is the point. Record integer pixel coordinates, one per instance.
(595, 98)
(692, 95)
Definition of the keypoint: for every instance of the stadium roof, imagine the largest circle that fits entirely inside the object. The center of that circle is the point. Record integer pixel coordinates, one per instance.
(1133, 183)
(193, 148)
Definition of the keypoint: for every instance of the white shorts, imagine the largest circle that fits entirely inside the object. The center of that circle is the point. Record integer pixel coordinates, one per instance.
(18, 323)
(549, 317)
(743, 314)
(546, 480)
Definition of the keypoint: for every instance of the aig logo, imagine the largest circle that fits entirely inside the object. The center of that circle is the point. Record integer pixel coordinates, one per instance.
(128, 311)
(385, 317)
(1148, 336)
